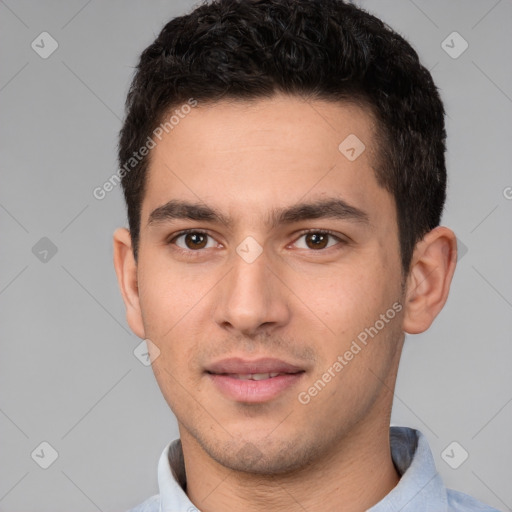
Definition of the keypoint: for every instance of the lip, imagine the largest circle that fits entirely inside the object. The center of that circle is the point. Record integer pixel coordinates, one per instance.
(236, 365)
(223, 375)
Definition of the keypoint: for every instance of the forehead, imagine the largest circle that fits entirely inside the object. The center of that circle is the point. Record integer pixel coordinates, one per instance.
(241, 157)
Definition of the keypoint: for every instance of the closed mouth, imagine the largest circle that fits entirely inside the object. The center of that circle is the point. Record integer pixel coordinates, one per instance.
(252, 376)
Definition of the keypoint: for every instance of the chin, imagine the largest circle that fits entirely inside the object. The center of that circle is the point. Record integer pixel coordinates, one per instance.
(262, 457)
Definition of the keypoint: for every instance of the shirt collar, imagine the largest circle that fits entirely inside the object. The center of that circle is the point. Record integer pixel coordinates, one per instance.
(420, 488)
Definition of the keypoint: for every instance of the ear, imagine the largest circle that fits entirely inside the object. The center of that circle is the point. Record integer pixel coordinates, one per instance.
(428, 283)
(126, 270)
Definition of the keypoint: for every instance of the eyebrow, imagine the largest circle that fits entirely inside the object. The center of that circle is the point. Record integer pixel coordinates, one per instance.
(321, 209)
(332, 208)
(176, 209)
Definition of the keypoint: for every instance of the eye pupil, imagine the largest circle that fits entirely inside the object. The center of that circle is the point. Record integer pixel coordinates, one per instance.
(316, 240)
(195, 240)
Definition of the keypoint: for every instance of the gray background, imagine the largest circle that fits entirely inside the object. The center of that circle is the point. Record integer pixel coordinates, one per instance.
(68, 375)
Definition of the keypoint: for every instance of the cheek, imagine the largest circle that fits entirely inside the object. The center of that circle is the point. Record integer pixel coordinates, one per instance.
(351, 300)
(344, 296)
(167, 296)
(172, 302)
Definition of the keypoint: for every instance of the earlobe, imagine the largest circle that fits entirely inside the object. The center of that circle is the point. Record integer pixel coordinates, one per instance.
(126, 270)
(432, 268)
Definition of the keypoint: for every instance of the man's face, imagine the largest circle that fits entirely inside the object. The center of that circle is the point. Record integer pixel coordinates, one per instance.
(263, 283)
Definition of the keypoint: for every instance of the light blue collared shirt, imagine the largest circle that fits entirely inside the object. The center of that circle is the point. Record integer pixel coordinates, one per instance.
(420, 488)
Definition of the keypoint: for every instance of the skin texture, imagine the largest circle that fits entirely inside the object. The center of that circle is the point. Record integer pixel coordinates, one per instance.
(296, 302)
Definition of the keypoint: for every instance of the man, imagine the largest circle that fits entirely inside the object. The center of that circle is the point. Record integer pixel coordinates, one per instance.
(283, 168)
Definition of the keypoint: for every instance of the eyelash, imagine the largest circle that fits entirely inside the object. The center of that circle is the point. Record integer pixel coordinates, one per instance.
(193, 253)
(322, 232)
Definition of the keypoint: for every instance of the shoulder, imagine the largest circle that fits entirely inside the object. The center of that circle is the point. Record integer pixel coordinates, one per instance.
(460, 502)
(150, 505)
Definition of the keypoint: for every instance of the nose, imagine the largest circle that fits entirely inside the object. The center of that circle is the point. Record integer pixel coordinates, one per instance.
(252, 298)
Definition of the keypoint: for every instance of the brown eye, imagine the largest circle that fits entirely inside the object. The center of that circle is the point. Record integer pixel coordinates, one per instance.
(194, 241)
(317, 240)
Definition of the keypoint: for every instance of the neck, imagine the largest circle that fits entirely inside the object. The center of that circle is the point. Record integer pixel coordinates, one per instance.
(358, 472)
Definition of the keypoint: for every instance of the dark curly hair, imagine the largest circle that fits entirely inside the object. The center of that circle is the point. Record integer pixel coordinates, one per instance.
(326, 50)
